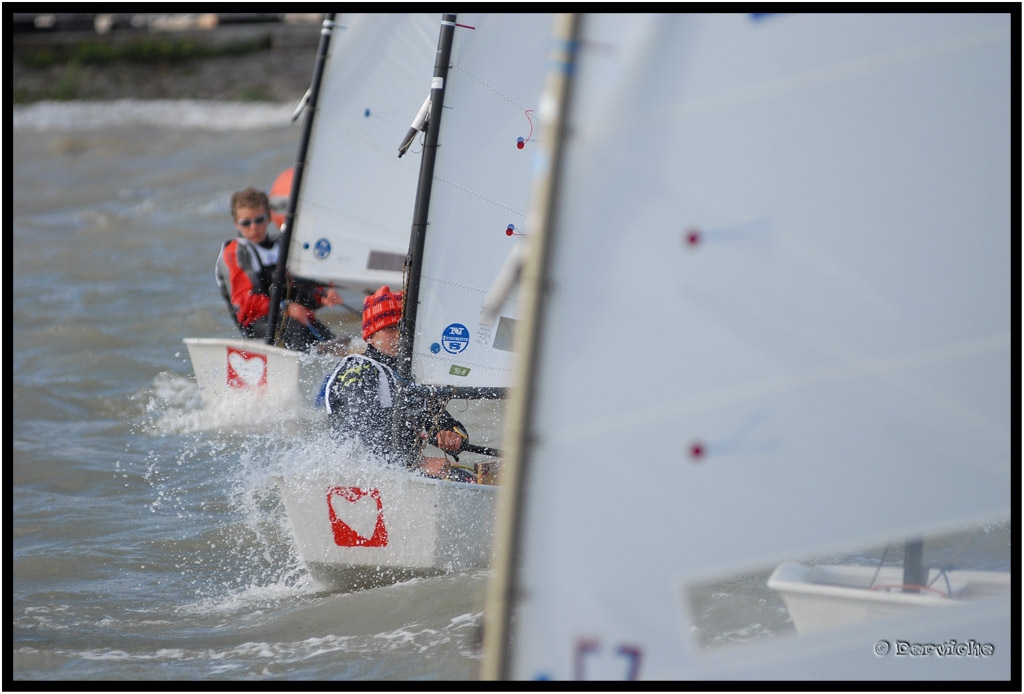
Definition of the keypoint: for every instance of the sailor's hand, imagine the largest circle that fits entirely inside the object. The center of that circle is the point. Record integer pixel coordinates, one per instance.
(433, 467)
(449, 441)
(299, 312)
(331, 298)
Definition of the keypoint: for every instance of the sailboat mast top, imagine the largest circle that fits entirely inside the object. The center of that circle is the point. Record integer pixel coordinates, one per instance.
(414, 262)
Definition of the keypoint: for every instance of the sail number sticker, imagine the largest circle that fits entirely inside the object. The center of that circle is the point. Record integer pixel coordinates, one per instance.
(322, 248)
(455, 338)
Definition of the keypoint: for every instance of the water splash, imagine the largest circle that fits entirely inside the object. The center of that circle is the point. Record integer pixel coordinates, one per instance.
(178, 114)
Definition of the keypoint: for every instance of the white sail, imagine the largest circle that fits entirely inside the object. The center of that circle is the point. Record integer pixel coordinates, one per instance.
(773, 319)
(356, 197)
(479, 196)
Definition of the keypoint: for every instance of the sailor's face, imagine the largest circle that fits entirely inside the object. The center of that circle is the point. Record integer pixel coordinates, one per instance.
(386, 340)
(251, 222)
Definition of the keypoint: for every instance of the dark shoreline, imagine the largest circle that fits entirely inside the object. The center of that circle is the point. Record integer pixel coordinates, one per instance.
(277, 66)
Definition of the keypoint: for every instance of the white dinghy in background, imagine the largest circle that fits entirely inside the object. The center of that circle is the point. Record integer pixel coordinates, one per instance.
(235, 371)
(824, 596)
(352, 196)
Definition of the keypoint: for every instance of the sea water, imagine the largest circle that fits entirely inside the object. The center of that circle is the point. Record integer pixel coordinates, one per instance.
(148, 541)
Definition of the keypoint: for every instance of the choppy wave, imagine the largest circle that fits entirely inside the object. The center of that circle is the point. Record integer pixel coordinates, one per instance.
(183, 114)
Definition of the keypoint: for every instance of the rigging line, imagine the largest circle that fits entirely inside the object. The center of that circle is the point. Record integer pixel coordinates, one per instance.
(279, 328)
(943, 573)
(494, 90)
(474, 194)
(422, 140)
(522, 141)
(880, 562)
(952, 561)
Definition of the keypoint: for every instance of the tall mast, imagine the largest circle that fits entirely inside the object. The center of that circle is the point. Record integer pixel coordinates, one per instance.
(278, 288)
(914, 572)
(421, 211)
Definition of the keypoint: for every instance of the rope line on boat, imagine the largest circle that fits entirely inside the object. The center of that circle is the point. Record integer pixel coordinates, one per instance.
(944, 573)
(880, 563)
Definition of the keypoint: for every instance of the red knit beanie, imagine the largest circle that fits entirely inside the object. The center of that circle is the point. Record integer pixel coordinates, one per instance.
(381, 309)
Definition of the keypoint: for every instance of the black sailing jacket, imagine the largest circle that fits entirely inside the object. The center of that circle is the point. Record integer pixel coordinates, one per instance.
(360, 395)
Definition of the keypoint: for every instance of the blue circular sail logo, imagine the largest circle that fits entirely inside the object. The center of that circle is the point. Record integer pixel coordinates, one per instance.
(455, 338)
(322, 248)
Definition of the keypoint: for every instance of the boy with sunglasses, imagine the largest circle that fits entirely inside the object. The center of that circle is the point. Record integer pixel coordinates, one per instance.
(245, 273)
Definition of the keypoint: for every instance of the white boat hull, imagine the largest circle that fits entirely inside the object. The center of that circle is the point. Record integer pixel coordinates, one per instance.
(232, 369)
(363, 528)
(821, 597)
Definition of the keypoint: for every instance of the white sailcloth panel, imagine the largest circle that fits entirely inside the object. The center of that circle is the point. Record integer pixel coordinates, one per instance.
(776, 320)
(479, 197)
(354, 213)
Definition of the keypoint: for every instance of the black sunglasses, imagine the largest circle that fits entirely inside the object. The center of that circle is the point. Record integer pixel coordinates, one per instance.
(258, 220)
